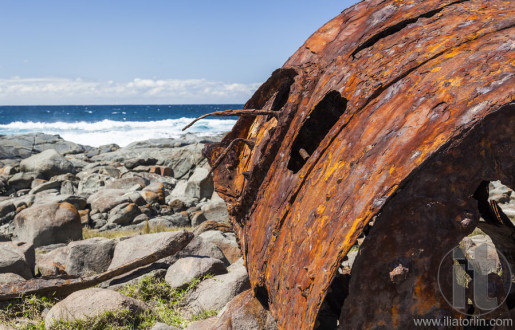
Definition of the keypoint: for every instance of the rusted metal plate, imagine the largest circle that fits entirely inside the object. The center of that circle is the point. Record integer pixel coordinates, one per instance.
(434, 211)
(410, 78)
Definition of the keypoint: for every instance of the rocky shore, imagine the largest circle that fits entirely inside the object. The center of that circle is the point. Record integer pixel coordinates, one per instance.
(69, 210)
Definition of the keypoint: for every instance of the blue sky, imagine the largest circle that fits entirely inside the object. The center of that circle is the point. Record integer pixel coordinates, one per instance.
(152, 51)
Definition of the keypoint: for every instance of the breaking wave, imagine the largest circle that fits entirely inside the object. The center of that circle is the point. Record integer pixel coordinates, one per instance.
(119, 132)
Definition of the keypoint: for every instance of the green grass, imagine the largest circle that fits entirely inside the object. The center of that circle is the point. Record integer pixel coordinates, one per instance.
(166, 305)
(166, 302)
(25, 312)
(146, 229)
(123, 319)
(353, 248)
(477, 232)
(204, 315)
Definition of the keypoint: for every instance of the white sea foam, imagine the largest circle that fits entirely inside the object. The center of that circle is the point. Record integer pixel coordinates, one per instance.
(119, 132)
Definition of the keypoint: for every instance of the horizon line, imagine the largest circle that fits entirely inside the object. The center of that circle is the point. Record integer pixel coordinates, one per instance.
(117, 104)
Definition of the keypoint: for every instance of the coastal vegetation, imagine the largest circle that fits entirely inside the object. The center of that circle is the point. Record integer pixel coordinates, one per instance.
(166, 305)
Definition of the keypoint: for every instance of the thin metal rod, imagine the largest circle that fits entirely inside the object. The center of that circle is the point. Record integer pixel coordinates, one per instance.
(230, 113)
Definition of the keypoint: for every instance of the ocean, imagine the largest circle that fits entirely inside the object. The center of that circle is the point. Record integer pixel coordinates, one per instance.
(97, 125)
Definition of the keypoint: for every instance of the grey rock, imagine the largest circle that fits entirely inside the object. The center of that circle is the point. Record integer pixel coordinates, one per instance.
(505, 197)
(53, 262)
(186, 201)
(78, 202)
(207, 324)
(64, 177)
(22, 192)
(127, 183)
(135, 197)
(8, 170)
(44, 224)
(23, 146)
(499, 192)
(22, 180)
(174, 220)
(67, 188)
(198, 247)
(108, 148)
(185, 270)
(6, 232)
(165, 210)
(78, 164)
(91, 303)
(197, 218)
(92, 183)
(37, 182)
(349, 259)
(177, 205)
(140, 219)
(106, 199)
(123, 214)
(49, 248)
(185, 159)
(46, 186)
(48, 163)
(225, 241)
(17, 258)
(216, 210)
(132, 163)
(102, 150)
(8, 278)
(139, 246)
(480, 251)
(193, 209)
(99, 223)
(214, 293)
(141, 168)
(163, 326)
(180, 189)
(200, 184)
(154, 193)
(184, 140)
(132, 278)
(10, 162)
(3, 185)
(109, 226)
(89, 256)
(7, 211)
(245, 312)
(109, 171)
(45, 196)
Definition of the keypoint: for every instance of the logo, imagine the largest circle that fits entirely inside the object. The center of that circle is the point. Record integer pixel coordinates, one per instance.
(474, 279)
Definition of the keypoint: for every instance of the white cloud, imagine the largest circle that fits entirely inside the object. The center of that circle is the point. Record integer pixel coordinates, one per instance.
(45, 91)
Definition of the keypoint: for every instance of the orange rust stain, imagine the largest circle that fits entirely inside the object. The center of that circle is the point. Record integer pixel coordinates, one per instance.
(425, 298)
(395, 316)
(276, 230)
(69, 207)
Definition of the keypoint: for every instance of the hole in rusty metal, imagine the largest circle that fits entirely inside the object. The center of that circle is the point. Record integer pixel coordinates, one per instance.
(261, 294)
(279, 84)
(319, 122)
(329, 314)
(496, 203)
(330, 310)
(282, 95)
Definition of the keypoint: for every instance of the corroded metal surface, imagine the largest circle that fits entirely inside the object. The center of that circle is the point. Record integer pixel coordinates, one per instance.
(371, 98)
(422, 223)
